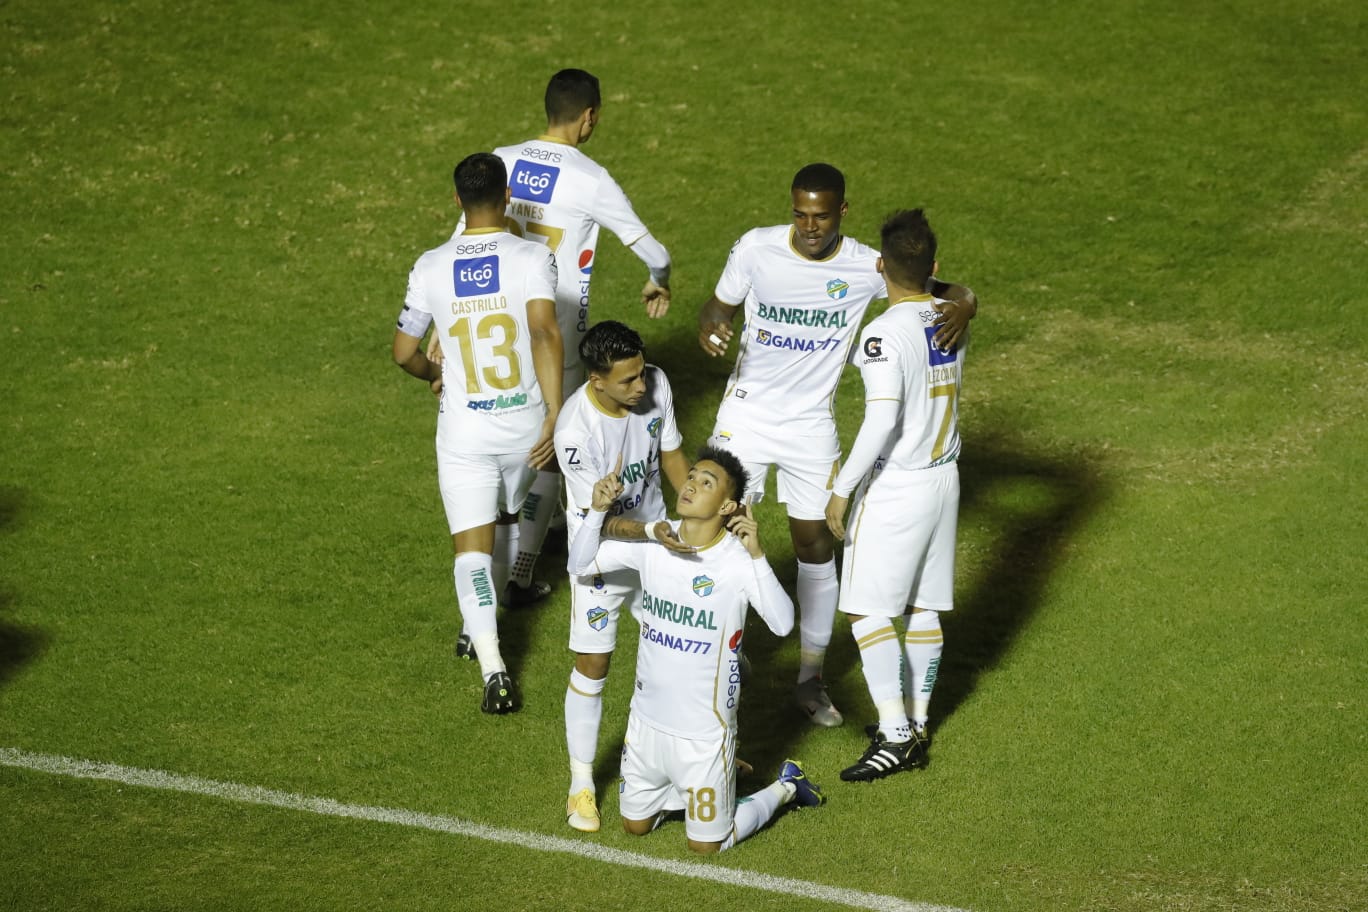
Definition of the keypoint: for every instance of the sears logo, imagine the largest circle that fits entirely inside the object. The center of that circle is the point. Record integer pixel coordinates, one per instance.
(934, 353)
(703, 585)
(476, 276)
(586, 261)
(653, 428)
(837, 288)
(597, 617)
(531, 181)
(873, 347)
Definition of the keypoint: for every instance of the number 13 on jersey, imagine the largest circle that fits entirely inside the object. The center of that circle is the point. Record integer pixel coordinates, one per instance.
(500, 369)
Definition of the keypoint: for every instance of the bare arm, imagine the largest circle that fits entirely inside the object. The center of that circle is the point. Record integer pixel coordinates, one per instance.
(675, 467)
(715, 325)
(548, 359)
(955, 317)
(408, 355)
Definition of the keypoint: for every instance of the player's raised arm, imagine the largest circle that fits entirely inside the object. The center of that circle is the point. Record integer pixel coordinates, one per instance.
(955, 316)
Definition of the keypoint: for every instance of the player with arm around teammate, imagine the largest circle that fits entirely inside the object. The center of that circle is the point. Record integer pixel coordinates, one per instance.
(680, 749)
(494, 294)
(900, 539)
(804, 288)
(562, 197)
(624, 410)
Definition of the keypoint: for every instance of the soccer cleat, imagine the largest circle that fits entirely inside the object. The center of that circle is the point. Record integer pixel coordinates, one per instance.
(465, 649)
(500, 696)
(811, 697)
(517, 596)
(581, 811)
(806, 792)
(883, 758)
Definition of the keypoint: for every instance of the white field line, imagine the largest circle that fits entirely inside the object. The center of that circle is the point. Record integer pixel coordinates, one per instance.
(251, 794)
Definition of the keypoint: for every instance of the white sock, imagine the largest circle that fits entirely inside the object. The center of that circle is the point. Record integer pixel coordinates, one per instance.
(505, 552)
(473, 575)
(754, 811)
(922, 645)
(583, 714)
(818, 592)
(532, 523)
(882, 661)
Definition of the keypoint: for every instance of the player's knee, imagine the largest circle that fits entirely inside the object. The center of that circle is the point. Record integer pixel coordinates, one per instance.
(637, 827)
(593, 664)
(704, 848)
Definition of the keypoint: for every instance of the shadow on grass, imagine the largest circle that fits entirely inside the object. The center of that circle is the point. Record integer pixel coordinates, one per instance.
(19, 646)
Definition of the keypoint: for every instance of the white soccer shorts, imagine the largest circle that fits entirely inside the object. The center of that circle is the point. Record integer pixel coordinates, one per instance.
(476, 487)
(900, 543)
(595, 603)
(805, 467)
(663, 772)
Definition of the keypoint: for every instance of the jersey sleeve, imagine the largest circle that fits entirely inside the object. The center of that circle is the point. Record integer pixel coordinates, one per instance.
(590, 553)
(881, 367)
(614, 211)
(735, 282)
(670, 438)
(541, 283)
(415, 318)
(582, 464)
(768, 598)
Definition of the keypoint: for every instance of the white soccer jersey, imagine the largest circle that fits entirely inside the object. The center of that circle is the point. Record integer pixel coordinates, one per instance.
(801, 317)
(560, 198)
(693, 615)
(589, 441)
(898, 361)
(475, 287)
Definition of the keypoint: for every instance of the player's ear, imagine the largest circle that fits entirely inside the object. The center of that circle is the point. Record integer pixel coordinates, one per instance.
(728, 508)
(935, 264)
(878, 265)
(508, 196)
(457, 197)
(845, 207)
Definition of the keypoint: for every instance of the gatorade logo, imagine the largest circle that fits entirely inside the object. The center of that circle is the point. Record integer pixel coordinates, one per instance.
(531, 181)
(477, 276)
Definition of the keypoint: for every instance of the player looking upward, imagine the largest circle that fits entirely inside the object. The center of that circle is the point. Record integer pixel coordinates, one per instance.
(900, 550)
(680, 749)
(625, 410)
(805, 289)
(492, 296)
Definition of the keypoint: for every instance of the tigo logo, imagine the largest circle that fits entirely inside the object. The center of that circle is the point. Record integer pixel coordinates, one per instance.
(531, 181)
(837, 288)
(703, 585)
(477, 276)
(935, 354)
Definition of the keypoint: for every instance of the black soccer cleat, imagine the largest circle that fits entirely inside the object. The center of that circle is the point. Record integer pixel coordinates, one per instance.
(465, 649)
(500, 695)
(883, 758)
(518, 597)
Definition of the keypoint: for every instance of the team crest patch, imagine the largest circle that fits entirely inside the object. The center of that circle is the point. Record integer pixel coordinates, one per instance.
(837, 288)
(654, 427)
(703, 585)
(597, 617)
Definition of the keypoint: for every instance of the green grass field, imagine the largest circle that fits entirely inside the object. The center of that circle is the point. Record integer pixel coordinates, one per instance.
(222, 552)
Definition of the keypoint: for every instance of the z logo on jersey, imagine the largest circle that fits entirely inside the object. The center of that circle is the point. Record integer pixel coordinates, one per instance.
(531, 181)
(572, 456)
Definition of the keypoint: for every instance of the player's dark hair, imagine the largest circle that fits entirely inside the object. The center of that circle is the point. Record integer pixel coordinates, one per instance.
(820, 177)
(480, 180)
(607, 343)
(730, 465)
(908, 247)
(569, 94)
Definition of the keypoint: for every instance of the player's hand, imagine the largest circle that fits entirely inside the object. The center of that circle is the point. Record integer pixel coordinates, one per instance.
(656, 298)
(544, 451)
(835, 515)
(434, 349)
(744, 527)
(953, 321)
(713, 338)
(607, 489)
(662, 533)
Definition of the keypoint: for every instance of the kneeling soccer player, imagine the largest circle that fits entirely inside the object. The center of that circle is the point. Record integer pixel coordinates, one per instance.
(680, 749)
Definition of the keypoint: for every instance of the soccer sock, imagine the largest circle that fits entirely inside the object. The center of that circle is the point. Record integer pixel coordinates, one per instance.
(922, 645)
(479, 607)
(583, 713)
(505, 550)
(754, 811)
(882, 661)
(532, 523)
(818, 593)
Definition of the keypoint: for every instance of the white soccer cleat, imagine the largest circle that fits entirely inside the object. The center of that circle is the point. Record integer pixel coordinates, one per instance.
(811, 697)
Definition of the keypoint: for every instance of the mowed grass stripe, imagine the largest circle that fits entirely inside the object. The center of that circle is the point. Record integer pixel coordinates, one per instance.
(252, 794)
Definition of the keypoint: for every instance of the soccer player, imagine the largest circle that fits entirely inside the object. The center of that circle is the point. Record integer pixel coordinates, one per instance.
(680, 749)
(805, 289)
(561, 197)
(900, 550)
(625, 410)
(491, 295)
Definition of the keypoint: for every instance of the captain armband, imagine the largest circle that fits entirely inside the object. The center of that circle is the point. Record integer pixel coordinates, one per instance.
(413, 322)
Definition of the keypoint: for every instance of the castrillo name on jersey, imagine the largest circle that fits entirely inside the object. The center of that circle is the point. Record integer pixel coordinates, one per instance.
(686, 615)
(802, 316)
(479, 305)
